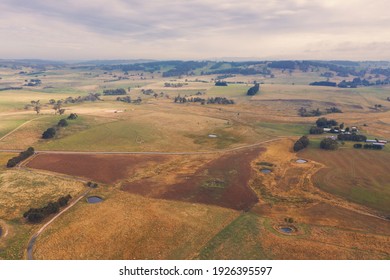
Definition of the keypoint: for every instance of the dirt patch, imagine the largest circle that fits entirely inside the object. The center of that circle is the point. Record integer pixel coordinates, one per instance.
(102, 168)
(222, 182)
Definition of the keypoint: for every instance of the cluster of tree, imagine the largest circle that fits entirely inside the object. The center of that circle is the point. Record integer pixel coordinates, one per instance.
(253, 90)
(381, 71)
(316, 130)
(324, 122)
(35, 105)
(301, 143)
(303, 112)
(90, 97)
(10, 88)
(354, 83)
(223, 77)
(352, 137)
(329, 144)
(52, 131)
(219, 100)
(22, 156)
(203, 101)
(351, 84)
(221, 83)
(183, 68)
(118, 91)
(36, 215)
(126, 99)
(367, 146)
(286, 64)
(324, 84)
(333, 110)
(240, 71)
(175, 85)
(33, 82)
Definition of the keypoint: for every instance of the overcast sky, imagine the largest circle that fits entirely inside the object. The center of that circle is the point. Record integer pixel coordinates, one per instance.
(195, 29)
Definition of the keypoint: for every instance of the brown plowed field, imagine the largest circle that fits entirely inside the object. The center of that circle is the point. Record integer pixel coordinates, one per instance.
(101, 168)
(222, 182)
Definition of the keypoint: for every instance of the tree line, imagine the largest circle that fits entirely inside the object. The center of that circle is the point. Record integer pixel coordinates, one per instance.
(367, 146)
(301, 143)
(36, 215)
(22, 156)
(253, 90)
(303, 112)
(52, 131)
(203, 101)
(118, 91)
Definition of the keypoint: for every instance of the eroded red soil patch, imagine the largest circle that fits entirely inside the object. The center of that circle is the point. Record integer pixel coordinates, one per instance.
(101, 168)
(222, 182)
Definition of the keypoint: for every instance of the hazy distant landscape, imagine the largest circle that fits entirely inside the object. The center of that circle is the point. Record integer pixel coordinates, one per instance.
(194, 159)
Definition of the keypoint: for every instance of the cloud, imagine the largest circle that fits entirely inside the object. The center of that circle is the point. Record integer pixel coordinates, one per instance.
(189, 29)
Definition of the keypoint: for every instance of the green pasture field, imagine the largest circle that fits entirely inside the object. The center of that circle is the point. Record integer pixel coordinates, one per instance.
(358, 175)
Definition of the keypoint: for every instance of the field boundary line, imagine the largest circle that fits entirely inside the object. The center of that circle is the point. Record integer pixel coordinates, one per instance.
(150, 153)
(20, 126)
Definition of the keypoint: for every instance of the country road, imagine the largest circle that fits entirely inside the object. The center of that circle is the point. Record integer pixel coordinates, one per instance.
(146, 153)
(32, 240)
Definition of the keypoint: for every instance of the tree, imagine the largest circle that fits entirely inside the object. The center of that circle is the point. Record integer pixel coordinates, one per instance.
(329, 144)
(49, 133)
(316, 130)
(324, 122)
(253, 90)
(301, 143)
(298, 146)
(62, 123)
(72, 116)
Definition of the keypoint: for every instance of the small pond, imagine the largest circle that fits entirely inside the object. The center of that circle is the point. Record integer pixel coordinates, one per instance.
(265, 171)
(212, 136)
(286, 229)
(94, 199)
(301, 161)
